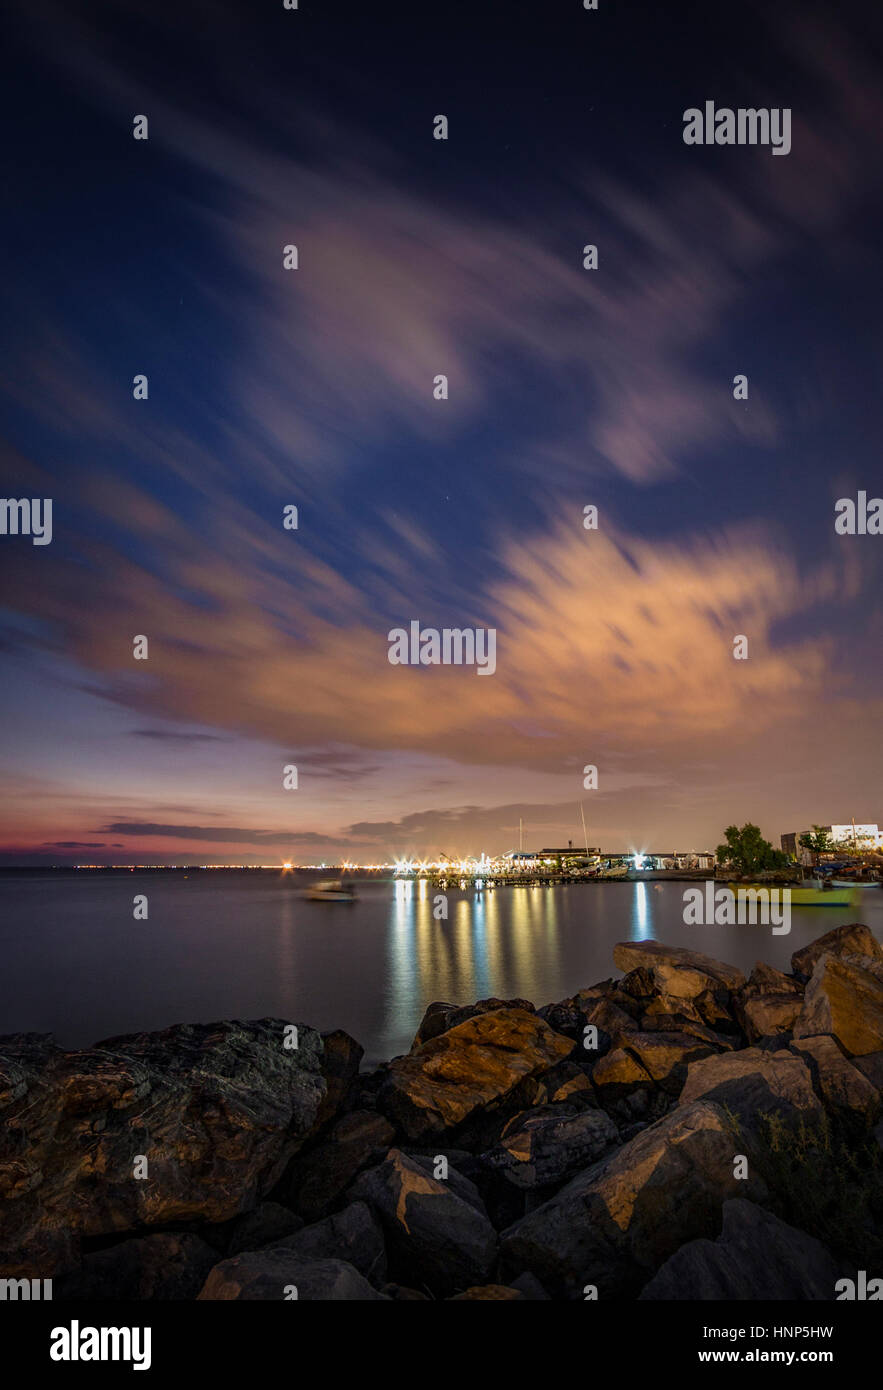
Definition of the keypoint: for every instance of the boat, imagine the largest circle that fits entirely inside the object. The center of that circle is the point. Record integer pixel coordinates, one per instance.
(855, 883)
(816, 895)
(331, 890)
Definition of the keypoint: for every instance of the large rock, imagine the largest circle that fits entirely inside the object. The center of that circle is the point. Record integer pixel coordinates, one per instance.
(855, 939)
(341, 1056)
(675, 971)
(216, 1109)
(845, 998)
(663, 1055)
(617, 1222)
(267, 1223)
(844, 1089)
(756, 1256)
(277, 1273)
(318, 1177)
(474, 1065)
(552, 1145)
(353, 1235)
(753, 1083)
(769, 1004)
(161, 1266)
(434, 1238)
(440, 1017)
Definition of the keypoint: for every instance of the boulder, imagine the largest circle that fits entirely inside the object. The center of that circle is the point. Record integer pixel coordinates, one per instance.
(318, 1177)
(440, 1017)
(217, 1110)
(769, 1004)
(341, 1056)
(844, 997)
(160, 1266)
(277, 1273)
(664, 1056)
(476, 1064)
(549, 1146)
(682, 973)
(755, 1257)
(268, 1222)
(855, 939)
(434, 1238)
(753, 1083)
(616, 1223)
(353, 1235)
(844, 1090)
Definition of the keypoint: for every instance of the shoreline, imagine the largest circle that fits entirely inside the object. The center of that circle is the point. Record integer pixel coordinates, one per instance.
(485, 1162)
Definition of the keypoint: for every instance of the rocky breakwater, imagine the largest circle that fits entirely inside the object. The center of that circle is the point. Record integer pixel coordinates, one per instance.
(679, 1132)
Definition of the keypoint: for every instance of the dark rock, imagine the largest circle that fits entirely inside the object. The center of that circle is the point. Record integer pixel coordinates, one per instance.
(341, 1056)
(756, 1257)
(844, 1090)
(319, 1176)
(616, 1223)
(435, 1239)
(353, 1235)
(268, 1222)
(267, 1275)
(160, 1266)
(547, 1147)
(218, 1109)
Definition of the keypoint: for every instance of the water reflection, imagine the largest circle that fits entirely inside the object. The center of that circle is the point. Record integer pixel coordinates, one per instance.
(642, 917)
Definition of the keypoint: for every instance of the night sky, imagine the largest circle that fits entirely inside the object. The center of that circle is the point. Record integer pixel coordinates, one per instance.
(314, 387)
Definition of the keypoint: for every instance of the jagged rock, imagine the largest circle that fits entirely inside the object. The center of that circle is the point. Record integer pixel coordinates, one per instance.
(403, 1295)
(616, 1223)
(676, 971)
(353, 1235)
(440, 1017)
(160, 1266)
(618, 1074)
(612, 1023)
(268, 1222)
(491, 1293)
(265, 1275)
(217, 1109)
(341, 1056)
(752, 1083)
(769, 1004)
(871, 1067)
(547, 1147)
(842, 1087)
(663, 1056)
(317, 1178)
(475, 1064)
(756, 1256)
(845, 998)
(855, 939)
(434, 1237)
(458, 1160)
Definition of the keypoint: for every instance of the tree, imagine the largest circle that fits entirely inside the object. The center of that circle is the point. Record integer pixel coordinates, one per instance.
(817, 842)
(748, 851)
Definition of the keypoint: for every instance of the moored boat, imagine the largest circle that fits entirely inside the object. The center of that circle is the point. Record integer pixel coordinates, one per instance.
(810, 895)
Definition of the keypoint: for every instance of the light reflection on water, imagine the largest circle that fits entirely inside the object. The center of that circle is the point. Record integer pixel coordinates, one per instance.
(230, 946)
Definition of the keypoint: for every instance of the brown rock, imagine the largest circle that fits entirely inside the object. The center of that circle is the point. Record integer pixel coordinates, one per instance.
(491, 1293)
(842, 1086)
(855, 939)
(317, 1178)
(845, 998)
(440, 1017)
(475, 1064)
(676, 971)
(752, 1083)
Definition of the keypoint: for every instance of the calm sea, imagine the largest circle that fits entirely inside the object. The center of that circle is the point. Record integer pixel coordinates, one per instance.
(224, 945)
